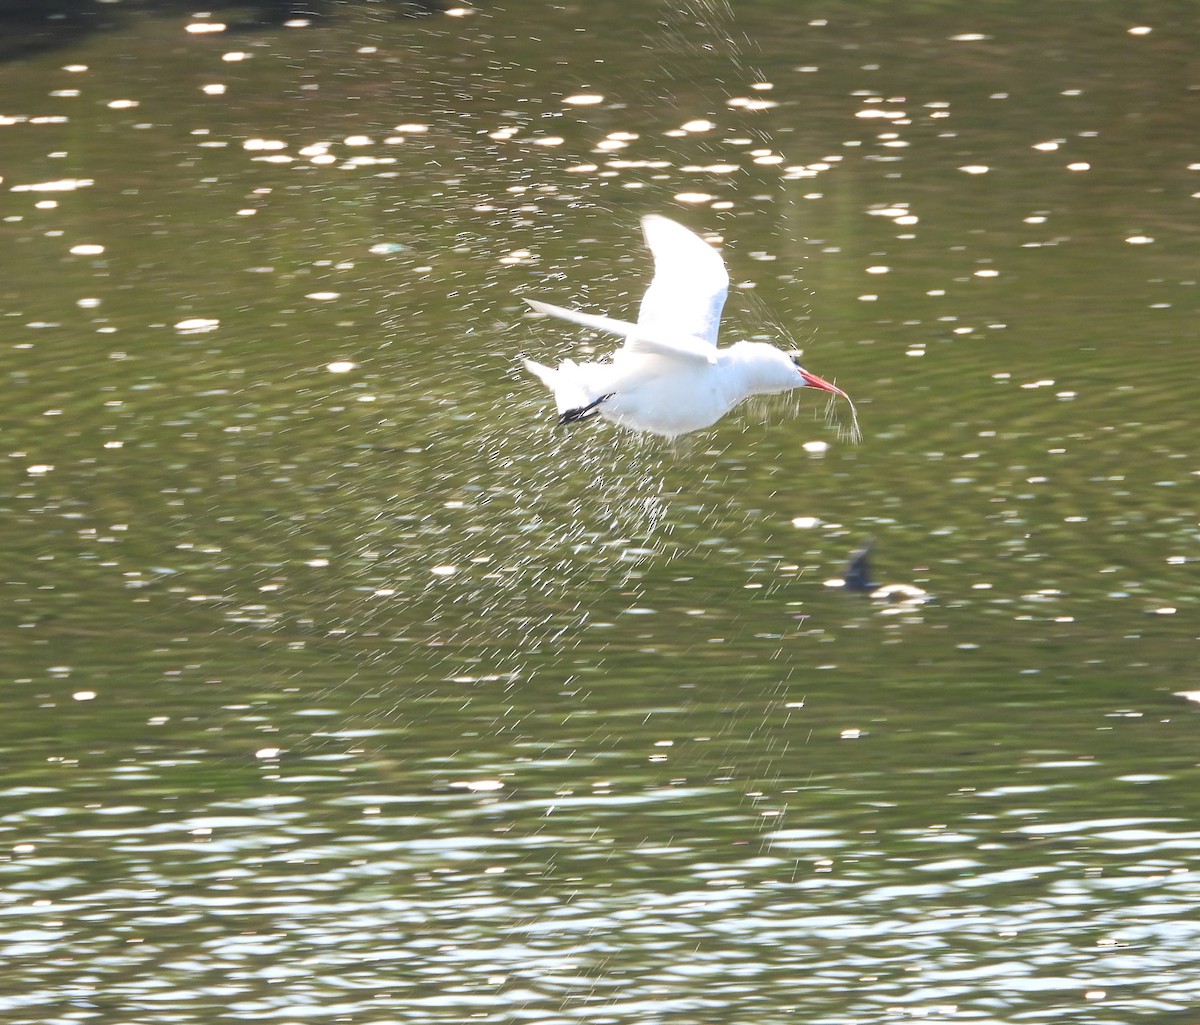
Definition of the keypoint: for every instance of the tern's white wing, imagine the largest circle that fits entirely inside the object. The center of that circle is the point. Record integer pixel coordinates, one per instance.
(592, 320)
(690, 283)
(670, 343)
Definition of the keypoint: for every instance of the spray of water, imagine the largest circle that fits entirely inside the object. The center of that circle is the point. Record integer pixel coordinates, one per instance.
(776, 330)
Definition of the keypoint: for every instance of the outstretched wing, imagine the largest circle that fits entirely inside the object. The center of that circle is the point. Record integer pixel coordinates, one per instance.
(589, 320)
(689, 287)
(669, 343)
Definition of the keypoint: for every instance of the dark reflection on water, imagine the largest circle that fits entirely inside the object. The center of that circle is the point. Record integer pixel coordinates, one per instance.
(342, 684)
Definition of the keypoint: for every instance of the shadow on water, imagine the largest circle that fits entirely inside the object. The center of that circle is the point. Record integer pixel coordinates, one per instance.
(32, 26)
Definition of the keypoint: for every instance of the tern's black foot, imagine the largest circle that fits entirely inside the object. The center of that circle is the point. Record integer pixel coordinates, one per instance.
(580, 413)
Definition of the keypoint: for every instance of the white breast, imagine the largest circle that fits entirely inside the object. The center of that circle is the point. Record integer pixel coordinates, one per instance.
(671, 402)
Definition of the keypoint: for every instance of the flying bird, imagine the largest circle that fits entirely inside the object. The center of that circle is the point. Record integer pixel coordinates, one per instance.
(669, 377)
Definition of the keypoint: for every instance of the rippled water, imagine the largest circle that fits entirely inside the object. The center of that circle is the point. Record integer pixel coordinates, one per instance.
(341, 685)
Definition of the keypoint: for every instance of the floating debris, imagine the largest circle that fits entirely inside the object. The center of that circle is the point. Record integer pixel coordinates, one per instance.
(57, 185)
(197, 325)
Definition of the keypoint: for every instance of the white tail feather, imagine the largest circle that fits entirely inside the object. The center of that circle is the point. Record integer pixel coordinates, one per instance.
(566, 382)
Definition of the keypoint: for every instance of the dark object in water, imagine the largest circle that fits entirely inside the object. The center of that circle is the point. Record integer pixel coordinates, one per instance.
(857, 575)
(857, 578)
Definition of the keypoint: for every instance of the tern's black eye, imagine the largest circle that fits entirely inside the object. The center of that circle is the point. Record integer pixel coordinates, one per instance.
(796, 361)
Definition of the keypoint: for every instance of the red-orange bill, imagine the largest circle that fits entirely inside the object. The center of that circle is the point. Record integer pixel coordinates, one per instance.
(813, 381)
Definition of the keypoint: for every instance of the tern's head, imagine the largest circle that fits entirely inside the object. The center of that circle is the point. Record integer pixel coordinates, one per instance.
(767, 369)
